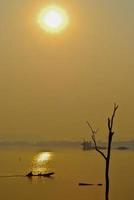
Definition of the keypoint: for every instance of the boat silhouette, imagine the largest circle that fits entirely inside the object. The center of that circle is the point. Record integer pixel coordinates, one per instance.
(49, 174)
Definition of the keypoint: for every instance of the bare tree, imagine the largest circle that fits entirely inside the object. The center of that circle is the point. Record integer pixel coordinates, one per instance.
(108, 153)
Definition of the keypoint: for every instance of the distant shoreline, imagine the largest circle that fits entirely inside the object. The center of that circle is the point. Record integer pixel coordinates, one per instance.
(122, 145)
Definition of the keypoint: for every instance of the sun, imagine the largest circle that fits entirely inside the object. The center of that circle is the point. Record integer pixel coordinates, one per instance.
(53, 19)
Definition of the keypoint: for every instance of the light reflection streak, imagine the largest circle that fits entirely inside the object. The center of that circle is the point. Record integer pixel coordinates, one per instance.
(41, 162)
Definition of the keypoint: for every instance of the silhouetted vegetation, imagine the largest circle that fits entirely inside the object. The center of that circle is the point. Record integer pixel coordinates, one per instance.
(106, 156)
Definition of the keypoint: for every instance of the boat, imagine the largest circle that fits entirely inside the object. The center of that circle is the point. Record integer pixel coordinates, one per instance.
(87, 145)
(85, 184)
(122, 148)
(49, 174)
(90, 184)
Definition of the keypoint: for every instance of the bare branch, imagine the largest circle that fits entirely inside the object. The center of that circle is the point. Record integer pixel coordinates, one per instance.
(93, 131)
(94, 140)
(113, 115)
(97, 149)
(111, 121)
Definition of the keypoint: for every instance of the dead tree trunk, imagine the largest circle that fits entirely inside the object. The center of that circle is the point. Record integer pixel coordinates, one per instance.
(107, 166)
(108, 156)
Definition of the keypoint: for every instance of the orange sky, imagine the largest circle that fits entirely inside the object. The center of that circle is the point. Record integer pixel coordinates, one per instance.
(51, 84)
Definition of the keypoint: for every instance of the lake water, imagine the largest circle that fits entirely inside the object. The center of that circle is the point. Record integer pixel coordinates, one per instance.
(71, 166)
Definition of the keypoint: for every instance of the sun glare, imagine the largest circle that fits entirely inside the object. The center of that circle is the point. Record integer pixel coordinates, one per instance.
(53, 19)
(43, 157)
(40, 163)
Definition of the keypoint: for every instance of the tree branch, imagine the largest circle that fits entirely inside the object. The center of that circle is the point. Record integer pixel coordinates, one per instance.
(94, 140)
(111, 121)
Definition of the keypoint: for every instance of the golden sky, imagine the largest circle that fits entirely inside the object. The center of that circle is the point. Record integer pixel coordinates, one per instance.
(51, 84)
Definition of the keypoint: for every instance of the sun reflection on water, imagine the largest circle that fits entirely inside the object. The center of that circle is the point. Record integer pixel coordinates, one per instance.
(43, 157)
(41, 162)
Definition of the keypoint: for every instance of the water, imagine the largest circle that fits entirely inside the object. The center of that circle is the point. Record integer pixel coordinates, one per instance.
(71, 167)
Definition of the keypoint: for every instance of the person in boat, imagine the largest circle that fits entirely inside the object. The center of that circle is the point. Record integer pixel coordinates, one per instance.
(40, 174)
(30, 174)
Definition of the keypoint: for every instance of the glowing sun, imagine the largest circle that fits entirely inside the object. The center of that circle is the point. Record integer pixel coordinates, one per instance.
(53, 19)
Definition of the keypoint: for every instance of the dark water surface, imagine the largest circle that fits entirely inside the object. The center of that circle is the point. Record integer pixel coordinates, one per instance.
(71, 167)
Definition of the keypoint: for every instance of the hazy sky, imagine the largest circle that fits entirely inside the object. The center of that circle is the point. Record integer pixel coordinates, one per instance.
(51, 84)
